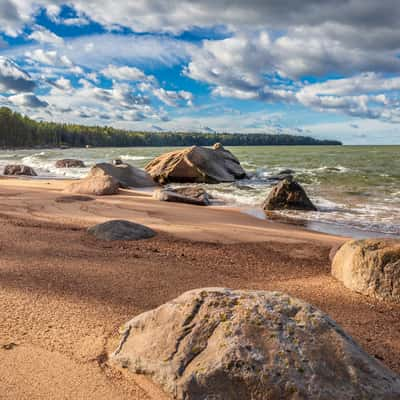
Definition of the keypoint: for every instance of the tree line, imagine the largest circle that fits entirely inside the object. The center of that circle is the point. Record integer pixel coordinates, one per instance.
(19, 131)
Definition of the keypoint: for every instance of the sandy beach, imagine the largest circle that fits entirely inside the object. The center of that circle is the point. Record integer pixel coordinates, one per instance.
(64, 294)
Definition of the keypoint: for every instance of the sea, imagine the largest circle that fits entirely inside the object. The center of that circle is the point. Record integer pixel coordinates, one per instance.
(356, 188)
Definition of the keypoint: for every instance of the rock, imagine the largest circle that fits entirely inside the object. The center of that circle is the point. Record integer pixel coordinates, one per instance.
(190, 195)
(334, 249)
(370, 267)
(19, 169)
(280, 177)
(286, 172)
(196, 164)
(121, 230)
(70, 163)
(125, 174)
(96, 185)
(223, 344)
(288, 195)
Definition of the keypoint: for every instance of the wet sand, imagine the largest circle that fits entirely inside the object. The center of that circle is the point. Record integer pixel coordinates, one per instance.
(64, 295)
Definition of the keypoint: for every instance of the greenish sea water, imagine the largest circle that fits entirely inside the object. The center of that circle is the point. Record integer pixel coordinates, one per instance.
(356, 188)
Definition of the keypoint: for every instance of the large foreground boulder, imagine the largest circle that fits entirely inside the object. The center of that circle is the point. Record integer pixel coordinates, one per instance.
(70, 163)
(127, 175)
(121, 230)
(19, 169)
(288, 195)
(222, 344)
(370, 267)
(96, 185)
(196, 164)
(189, 195)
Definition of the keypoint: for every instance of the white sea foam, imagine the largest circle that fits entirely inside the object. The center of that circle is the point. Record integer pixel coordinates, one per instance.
(134, 158)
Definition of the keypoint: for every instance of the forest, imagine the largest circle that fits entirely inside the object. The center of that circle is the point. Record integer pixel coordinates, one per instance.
(19, 131)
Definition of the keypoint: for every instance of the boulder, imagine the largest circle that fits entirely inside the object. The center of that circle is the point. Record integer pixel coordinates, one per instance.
(286, 172)
(96, 185)
(121, 230)
(196, 164)
(334, 249)
(288, 195)
(125, 174)
(70, 163)
(370, 267)
(190, 195)
(224, 344)
(19, 169)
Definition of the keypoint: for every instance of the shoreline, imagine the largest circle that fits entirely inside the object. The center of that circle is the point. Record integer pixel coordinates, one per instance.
(339, 230)
(352, 208)
(205, 223)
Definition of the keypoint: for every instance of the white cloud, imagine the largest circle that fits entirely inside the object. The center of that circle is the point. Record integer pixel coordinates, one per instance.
(13, 78)
(42, 35)
(173, 98)
(63, 84)
(50, 57)
(366, 95)
(124, 73)
(27, 100)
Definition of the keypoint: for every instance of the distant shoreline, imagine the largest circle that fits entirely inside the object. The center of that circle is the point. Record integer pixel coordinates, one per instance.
(170, 145)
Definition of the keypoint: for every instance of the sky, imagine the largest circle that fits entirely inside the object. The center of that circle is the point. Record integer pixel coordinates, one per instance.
(327, 69)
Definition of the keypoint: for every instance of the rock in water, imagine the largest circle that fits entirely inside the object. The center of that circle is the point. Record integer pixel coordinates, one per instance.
(223, 344)
(97, 186)
(70, 163)
(121, 230)
(370, 267)
(196, 164)
(125, 174)
(288, 195)
(19, 169)
(190, 195)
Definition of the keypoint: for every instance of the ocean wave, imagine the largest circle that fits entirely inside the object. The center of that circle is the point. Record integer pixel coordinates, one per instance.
(135, 158)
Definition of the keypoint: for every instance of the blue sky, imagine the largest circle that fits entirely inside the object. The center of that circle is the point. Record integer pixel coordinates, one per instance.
(325, 69)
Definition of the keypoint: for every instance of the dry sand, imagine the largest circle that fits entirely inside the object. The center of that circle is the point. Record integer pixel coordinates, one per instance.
(63, 294)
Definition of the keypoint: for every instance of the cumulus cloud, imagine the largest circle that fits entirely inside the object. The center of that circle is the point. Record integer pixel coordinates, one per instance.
(124, 73)
(28, 100)
(50, 57)
(43, 35)
(13, 78)
(177, 15)
(367, 95)
(173, 98)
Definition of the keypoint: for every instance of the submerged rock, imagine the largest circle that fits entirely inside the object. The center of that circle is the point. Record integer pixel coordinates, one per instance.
(370, 267)
(127, 175)
(196, 164)
(121, 230)
(225, 344)
(288, 195)
(70, 163)
(96, 185)
(19, 169)
(286, 172)
(190, 195)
